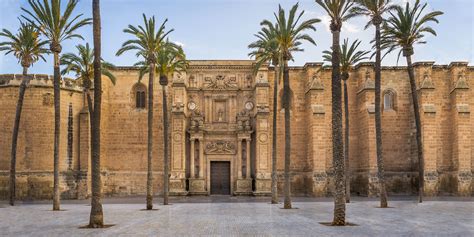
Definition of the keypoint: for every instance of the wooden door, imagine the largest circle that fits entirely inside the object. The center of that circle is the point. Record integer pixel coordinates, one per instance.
(220, 178)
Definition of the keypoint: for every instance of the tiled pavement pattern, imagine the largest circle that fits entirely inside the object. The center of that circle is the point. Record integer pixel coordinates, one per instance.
(243, 217)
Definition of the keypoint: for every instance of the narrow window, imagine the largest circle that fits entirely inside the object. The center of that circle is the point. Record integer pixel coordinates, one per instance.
(140, 97)
(388, 100)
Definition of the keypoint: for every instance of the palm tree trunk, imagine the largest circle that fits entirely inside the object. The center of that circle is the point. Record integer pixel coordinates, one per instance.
(149, 183)
(16, 128)
(421, 161)
(90, 106)
(337, 140)
(96, 216)
(57, 131)
(346, 143)
(274, 141)
(165, 148)
(286, 104)
(378, 120)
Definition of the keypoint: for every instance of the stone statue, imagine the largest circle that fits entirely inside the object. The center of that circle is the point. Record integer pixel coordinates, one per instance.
(220, 115)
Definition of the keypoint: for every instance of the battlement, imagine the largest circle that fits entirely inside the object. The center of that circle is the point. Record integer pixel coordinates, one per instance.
(38, 80)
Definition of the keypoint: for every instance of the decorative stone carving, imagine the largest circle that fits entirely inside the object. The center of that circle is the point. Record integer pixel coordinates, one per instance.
(220, 147)
(197, 120)
(368, 83)
(48, 99)
(248, 81)
(243, 120)
(261, 79)
(220, 82)
(461, 82)
(427, 83)
(178, 107)
(243, 187)
(192, 81)
(316, 83)
(197, 187)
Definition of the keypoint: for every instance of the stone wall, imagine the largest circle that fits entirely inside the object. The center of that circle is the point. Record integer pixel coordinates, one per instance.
(445, 102)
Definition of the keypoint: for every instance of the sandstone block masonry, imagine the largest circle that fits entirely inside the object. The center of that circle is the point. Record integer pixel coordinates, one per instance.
(221, 112)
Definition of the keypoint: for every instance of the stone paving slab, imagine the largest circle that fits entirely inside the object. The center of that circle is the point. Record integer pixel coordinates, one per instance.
(406, 218)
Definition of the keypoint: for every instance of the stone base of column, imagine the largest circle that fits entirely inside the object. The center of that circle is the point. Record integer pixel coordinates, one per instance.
(178, 187)
(197, 186)
(431, 183)
(373, 185)
(320, 184)
(243, 187)
(464, 183)
(83, 185)
(263, 187)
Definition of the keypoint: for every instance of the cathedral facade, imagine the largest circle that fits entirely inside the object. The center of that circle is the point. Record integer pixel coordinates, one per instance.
(220, 132)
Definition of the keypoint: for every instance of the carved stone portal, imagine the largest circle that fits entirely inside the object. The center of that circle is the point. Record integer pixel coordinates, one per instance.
(220, 147)
(220, 82)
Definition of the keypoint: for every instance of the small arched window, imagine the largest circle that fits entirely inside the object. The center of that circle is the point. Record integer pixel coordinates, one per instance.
(389, 100)
(140, 96)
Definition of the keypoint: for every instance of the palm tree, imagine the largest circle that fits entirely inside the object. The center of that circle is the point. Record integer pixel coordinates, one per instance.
(349, 57)
(403, 29)
(96, 219)
(170, 59)
(57, 26)
(266, 49)
(27, 47)
(289, 35)
(82, 64)
(339, 11)
(148, 41)
(375, 9)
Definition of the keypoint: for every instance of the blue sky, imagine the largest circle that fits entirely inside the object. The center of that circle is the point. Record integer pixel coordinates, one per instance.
(222, 29)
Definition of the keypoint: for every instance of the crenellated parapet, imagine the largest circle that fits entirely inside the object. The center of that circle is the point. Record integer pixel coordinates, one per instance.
(38, 80)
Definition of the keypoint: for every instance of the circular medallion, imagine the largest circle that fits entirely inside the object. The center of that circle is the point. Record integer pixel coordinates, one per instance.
(263, 138)
(249, 105)
(177, 137)
(192, 106)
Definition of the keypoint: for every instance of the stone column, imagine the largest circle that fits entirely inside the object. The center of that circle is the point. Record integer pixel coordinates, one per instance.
(238, 162)
(461, 127)
(201, 157)
(191, 160)
(197, 186)
(247, 159)
(243, 185)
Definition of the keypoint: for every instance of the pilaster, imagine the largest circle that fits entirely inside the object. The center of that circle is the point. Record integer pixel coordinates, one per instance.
(319, 134)
(262, 135)
(84, 176)
(462, 127)
(427, 99)
(177, 181)
(367, 171)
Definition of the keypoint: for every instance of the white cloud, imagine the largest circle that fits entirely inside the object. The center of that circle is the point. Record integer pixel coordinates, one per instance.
(179, 43)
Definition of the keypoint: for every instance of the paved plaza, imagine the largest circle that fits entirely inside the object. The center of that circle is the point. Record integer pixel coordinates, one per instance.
(232, 216)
